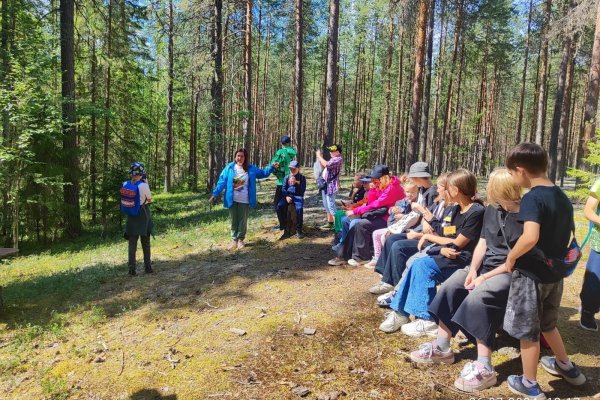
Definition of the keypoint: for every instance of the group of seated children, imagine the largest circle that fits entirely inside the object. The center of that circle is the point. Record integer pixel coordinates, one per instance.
(492, 262)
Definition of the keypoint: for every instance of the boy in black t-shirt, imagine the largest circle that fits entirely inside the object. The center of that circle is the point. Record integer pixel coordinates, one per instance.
(547, 217)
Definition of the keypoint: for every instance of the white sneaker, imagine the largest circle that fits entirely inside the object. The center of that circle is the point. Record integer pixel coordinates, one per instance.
(336, 261)
(371, 264)
(381, 288)
(233, 245)
(386, 296)
(356, 263)
(420, 327)
(393, 321)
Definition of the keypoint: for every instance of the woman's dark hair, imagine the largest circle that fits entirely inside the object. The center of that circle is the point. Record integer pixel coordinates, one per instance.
(530, 156)
(245, 153)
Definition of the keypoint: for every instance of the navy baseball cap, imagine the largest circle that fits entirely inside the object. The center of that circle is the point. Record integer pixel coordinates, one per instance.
(294, 164)
(379, 170)
(285, 139)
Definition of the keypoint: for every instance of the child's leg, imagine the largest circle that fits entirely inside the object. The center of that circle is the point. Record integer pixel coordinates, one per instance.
(133, 240)
(146, 249)
(377, 235)
(530, 355)
(556, 344)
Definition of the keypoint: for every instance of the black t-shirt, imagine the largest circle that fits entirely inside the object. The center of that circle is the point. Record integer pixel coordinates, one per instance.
(552, 209)
(497, 250)
(359, 195)
(467, 224)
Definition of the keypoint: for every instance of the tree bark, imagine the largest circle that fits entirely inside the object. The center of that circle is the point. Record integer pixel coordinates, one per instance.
(426, 95)
(417, 90)
(591, 101)
(558, 103)
(332, 60)
(72, 216)
(4, 62)
(248, 115)
(215, 158)
(107, 106)
(93, 132)
(541, 106)
(298, 78)
(524, 76)
(169, 129)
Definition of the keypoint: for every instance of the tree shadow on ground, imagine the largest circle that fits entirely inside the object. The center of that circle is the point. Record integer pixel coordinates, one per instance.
(151, 394)
(175, 283)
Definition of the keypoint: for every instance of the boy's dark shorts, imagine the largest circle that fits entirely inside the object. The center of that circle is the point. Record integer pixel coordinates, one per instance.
(532, 307)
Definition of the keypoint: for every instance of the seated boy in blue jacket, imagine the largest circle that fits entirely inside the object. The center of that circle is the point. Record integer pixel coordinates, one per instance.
(294, 186)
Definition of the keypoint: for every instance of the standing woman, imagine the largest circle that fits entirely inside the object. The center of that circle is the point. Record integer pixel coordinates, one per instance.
(238, 179)
(590, 291)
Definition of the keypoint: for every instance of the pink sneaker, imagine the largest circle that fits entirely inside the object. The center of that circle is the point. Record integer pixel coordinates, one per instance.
(428, 353)
(475, 377)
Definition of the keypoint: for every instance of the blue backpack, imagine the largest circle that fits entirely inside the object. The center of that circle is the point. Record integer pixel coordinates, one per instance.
(130, 198)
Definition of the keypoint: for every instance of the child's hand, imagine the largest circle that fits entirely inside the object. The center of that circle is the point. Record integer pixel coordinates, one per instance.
(470, 278)
(288, 199)
(349, 213)
(509, 264)
(412, 235)
(275, 165)
(449, 253)
(422, 242)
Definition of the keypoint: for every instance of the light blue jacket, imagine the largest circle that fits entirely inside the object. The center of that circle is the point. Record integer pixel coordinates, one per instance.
(226, 183)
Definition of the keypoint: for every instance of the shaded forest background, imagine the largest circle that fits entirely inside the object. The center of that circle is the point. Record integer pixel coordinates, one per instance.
(87, 87)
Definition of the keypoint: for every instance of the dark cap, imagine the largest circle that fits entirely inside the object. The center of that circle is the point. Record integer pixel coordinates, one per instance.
(285, 139)
(419, 169)
(379, 170)
(335, 147)
(294, 164)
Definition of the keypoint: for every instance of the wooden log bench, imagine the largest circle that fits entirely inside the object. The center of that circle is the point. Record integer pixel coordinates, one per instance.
(5, 252)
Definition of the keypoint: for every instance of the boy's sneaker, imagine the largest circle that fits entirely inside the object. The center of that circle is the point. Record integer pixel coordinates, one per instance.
(420, 327)
(515, 385)
(573, 375)
(241, 244)
(429, 353)
(385, 300)
(371, 264)
(588, 322)
(475, 377)
(356, 263)
(381, 288)
(393, 321)
(336, 261)
(233, 245)
(299, 235)
(132, 271)
(148, 269)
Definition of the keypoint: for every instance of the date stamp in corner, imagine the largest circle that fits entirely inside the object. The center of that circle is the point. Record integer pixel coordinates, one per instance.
(522, 398)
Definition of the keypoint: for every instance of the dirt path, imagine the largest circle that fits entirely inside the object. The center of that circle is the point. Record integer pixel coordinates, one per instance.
(217, 324)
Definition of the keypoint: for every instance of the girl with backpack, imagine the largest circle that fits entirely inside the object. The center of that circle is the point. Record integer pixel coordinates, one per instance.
(135, 203)
(238, 180)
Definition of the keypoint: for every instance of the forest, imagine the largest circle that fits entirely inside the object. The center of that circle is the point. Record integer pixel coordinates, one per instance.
(87, 87)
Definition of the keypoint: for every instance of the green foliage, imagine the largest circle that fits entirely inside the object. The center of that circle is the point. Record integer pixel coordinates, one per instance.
(585, 177)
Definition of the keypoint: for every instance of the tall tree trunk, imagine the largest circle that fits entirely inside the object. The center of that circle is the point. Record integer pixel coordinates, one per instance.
(246, 122)
(388, 97)
(298, 78)
(541, 107)
(4, 62)
(332, 60)
(565, 114)
(215, 156)
(417, 91)
(72, 215)
(192, 163)
(558, 102)
(426, 95)
(107, 105)
(93, 132)
(399, 96)
(448, 110)
(171, 78)
(591, 101)
(524, 76)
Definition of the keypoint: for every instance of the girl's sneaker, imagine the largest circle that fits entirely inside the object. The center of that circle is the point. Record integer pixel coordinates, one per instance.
(336, 261)
(371, 264)
(429, 353)
(353, 262)
(420, 327)
(233, 245)
(573, 375)
(515, 385)
(241, 244)
(475, 377)
(385, 300)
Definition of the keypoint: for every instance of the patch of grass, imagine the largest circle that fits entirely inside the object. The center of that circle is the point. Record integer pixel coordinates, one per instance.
(55, 388)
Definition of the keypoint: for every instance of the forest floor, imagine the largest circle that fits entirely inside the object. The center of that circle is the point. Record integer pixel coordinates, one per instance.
(76, 326)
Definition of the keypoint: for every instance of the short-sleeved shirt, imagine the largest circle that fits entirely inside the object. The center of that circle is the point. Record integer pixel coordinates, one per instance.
(332, 174)
(552, 210)
(467, 224)
(595, 236)
(500, 230)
